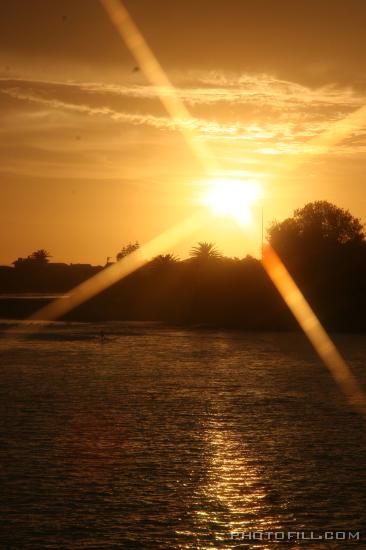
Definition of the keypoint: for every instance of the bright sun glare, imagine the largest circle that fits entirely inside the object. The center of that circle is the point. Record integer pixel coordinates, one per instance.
(231, 197)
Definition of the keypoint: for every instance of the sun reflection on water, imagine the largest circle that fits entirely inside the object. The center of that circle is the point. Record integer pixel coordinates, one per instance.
(232, 497)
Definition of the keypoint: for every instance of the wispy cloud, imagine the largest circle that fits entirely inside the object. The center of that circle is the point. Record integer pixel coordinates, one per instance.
(207, 88)
(259, 113)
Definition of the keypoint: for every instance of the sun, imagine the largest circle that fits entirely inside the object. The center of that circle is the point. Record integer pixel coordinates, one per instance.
(233, 197)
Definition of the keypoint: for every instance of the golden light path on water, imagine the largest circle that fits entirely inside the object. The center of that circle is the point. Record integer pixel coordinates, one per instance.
(292, 295)
(233, 490)
(229, 467)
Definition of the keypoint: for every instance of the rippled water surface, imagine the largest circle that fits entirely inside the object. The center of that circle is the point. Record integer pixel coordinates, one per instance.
(169, 438)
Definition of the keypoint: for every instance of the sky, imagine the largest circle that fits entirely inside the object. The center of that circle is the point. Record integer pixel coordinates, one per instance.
(90, 160)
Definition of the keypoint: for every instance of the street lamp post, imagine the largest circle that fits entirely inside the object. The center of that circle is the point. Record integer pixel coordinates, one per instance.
(262, 232)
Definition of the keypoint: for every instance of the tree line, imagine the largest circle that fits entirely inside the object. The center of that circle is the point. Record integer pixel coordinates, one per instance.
(323, 246)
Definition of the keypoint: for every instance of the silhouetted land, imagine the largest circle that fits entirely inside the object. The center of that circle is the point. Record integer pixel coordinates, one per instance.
(323, 247)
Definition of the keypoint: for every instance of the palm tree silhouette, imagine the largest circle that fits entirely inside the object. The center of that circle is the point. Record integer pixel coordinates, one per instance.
(205, 251)
(165, 259)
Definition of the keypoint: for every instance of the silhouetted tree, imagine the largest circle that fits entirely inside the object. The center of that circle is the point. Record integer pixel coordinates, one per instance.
(126, 250)
(324, 248)
(314, 225)
(40, 256)
(165, 259)
(205, 251)
(20, 262)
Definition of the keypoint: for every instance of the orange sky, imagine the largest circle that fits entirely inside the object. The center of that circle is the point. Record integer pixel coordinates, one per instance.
(90, 160)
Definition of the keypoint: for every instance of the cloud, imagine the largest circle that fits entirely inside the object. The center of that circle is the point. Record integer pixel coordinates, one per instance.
(41, 96)
(250, 116)
(211, 88)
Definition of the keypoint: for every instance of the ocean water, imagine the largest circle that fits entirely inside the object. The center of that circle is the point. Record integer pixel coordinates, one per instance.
(175, 439)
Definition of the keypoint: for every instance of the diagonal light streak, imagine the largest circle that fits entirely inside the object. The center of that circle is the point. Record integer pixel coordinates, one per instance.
(336, 132)
(321, 144)
(275, 268)
(112, 274)
(154, 72)
(271, 262)
(313, 329)
(104, 279)
(181, 116)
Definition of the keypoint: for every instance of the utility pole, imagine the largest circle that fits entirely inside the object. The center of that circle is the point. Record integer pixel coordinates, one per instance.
(262, 235)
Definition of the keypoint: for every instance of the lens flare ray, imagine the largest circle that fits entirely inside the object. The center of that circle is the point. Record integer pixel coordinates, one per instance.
(313, 329)
(153, 71)
(276, 270)
(112, 274)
